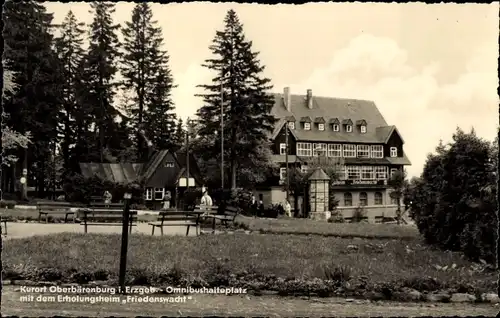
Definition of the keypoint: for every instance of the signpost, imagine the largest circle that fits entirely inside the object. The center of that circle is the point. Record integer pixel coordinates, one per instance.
(123, 254)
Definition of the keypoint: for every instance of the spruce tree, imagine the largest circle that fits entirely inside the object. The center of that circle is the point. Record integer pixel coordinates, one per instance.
(147, 76)
(69, 47)
(34, 106)
(101, 67)
(247, 104)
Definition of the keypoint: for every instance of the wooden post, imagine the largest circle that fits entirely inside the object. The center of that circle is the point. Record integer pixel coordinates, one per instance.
(123, 254)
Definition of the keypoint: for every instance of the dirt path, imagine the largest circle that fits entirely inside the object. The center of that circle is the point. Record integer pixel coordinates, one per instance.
(236, 305)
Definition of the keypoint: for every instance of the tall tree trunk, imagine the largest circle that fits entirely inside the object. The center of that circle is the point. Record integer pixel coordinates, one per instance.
(233, 162)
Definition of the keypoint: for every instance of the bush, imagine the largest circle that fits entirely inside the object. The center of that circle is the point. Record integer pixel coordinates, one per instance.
(191, 198)
(7, 204)
(359, 214)
(454, 201)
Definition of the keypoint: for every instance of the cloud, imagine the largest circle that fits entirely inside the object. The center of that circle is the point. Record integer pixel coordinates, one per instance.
(424, 110)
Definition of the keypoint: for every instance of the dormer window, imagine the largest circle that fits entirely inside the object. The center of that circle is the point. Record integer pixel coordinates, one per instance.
(394, 152)
(336, 127)
(362, 125)
(348, 128)
(321, 127)
(307, 126)
(363, 129)
(291, 125)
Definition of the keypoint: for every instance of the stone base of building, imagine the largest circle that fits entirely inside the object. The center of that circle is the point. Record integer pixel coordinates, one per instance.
(320, 216)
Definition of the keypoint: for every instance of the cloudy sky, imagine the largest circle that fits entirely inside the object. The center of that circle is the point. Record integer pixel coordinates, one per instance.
(429, 68)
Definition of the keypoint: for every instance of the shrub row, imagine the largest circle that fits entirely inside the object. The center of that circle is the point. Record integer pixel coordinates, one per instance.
(7, 204)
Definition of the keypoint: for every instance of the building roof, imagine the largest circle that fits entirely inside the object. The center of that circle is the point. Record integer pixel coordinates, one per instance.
(344, 110)
(115, 172)
(319, 175)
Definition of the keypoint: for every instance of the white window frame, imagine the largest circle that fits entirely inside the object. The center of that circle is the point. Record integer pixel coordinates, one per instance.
(343, 173)
(291, 125)
(381, 172)
(307, 126)
(321, 127)
(348, 194)
(365, 198)
(321, 147)
(304, 149)
(282, 149)
(377, 151)
(159, 190)
(349, 151)
(363, 129)
(282, 173)
(353, 173)
(336, 127)
(393, 171)
(149, 194)
(335, 150)
(348, 128)
(394, 152)
(367, 173)
(379, 196)
(363, 151)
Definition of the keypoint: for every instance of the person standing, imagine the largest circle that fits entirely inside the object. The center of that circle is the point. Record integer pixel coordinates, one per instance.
(107, 197)
(166, 201)
(288, 209)
(206, 199)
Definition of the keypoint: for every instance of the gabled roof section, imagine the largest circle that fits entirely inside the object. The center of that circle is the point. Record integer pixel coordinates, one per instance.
(153, 164)
(319, 120)
(124, 173)
(384, 133)
(334, 121)
(291, 118)
(279, 126)
(361, 122)
(330, 109)
(306, 119)
(347, 121)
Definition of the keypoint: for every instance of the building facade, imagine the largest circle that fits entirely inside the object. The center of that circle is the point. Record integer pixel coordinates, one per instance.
(353, 134)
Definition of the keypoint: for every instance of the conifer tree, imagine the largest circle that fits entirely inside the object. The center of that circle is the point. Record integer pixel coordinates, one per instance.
(69, 47)
(34, 106)
(247, 104)
(147, 76)
(101, 67)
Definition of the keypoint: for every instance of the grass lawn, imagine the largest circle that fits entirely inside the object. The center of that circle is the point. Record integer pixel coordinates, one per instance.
(346, 230)
(212, 258)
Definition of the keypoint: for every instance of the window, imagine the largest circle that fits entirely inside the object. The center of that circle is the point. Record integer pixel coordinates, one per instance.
(304, 149)
(394, 152)
(363, 199)
(149, 194)
(291, 125)
(349, 151)
(336, 127)
(282, 149)
(367, 173)
(159, 193)
(321, 126)
(282, 174)
(307, 126)
(342, 173)
(378, 198)
(348, 128)
(363, 129)
(319, 149)
(334, 150)
(394, 199)
(381, 173)
(169, 164)
(363, 151)
(353, 173)
(347, 199)
(377, 151)
(393, 171)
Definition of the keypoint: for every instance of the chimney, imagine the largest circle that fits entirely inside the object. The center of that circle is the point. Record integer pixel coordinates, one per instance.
(310, 98)
(287, 98)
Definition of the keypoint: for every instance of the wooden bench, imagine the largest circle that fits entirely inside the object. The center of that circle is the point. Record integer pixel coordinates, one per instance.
(225, 218)
(385, 219)
(96, 199)
(46, 208)
(171, 217)
(350, 219)
(106, 216)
